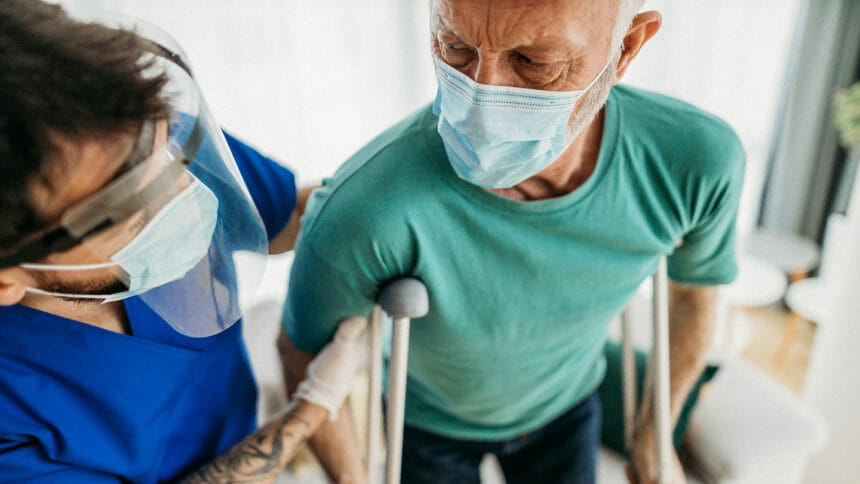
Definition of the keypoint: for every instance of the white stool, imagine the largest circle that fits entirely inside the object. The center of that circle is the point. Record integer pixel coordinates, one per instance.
(808, 298)
(759, 283)
(794, 254)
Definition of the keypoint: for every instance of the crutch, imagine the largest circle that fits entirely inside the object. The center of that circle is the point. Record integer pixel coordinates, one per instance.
(659, 368)
(402, 299)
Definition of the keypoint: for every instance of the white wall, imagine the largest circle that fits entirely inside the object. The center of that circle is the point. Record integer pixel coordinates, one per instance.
(832, 387)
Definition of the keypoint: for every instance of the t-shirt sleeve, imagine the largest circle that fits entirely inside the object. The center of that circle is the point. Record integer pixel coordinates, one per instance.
(350, 244)
(706, 255)
(272, 186)
(322, 293)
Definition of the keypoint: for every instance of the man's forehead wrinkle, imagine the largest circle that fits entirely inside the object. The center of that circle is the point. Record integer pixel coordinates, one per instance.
(442, 25)
(515, 30)
(553, 37)
(503, 26)
(466, 30)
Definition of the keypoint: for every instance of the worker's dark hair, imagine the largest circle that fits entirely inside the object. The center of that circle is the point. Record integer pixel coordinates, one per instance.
(59, 76)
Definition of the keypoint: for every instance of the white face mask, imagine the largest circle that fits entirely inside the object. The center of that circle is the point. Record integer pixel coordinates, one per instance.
(164, 251)
(498, 136)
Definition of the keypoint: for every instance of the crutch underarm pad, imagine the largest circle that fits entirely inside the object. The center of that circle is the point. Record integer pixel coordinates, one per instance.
(404, 298)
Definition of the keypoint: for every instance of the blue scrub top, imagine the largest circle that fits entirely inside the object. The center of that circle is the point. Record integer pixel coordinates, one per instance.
(82, 404)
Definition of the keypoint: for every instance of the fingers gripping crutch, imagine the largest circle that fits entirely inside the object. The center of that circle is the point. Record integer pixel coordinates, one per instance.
(659, 368)
(402, 299)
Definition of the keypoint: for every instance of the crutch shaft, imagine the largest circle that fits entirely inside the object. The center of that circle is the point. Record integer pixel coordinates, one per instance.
(628, 378)
(396, 398)
(402, 299)
(374, 402)
(661, 407)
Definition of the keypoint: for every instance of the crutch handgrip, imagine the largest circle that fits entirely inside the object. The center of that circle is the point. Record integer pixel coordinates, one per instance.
(404, 298)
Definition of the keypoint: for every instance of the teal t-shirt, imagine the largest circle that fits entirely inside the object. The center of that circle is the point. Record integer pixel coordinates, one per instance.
(521, 293)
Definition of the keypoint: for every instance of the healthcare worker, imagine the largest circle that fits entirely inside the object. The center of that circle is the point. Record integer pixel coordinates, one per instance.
(130, 231)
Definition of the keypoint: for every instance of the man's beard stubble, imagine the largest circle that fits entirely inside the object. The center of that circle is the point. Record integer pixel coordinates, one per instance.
(108, 286)
(593, 100)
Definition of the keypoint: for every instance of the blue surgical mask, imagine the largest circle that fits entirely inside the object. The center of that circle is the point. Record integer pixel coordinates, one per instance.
(165, 250)
(498, 136)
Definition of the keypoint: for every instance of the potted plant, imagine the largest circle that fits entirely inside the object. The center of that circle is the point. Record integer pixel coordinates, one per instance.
(846, 115)
(846, 118)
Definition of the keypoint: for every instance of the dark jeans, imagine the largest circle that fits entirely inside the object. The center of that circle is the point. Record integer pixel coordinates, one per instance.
(562, 451)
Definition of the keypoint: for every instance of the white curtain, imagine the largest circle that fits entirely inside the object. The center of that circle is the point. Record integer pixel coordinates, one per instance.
(310, 81)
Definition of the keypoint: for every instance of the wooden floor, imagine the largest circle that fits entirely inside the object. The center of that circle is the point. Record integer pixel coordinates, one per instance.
(780, 344)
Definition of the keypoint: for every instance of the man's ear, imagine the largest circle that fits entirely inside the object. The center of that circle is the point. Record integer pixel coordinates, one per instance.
(645, 25)
(12, 286)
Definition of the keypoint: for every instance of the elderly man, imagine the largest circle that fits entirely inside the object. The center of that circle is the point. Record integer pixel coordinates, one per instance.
(122, 216)
(532, 198)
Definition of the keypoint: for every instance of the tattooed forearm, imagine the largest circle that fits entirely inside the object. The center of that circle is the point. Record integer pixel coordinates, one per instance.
(264, 454)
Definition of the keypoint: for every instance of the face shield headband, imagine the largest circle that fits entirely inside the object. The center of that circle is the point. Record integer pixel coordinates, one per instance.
(112, 205)
(193, 243)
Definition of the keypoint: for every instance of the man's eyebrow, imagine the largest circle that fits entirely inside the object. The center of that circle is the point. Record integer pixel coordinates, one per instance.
(557, 44)
(547, 45)
(445, 30)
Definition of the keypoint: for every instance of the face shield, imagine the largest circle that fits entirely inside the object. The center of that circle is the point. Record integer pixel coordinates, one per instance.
(176, 228)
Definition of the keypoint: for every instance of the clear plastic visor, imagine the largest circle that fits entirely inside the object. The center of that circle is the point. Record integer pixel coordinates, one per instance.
(179, 229)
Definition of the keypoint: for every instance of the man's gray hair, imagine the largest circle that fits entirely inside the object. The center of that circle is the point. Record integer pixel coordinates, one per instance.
(626, 11)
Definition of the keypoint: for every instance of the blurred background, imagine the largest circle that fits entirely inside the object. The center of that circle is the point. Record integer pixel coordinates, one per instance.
(310, 81)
